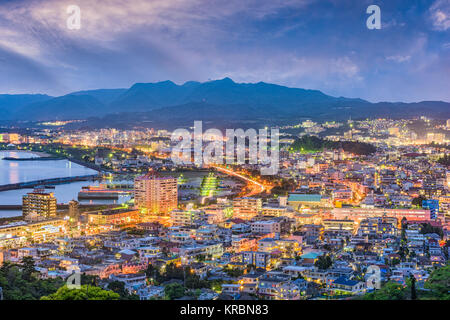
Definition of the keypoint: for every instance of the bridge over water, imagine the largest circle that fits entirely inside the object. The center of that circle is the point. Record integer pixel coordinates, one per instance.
(43, 182)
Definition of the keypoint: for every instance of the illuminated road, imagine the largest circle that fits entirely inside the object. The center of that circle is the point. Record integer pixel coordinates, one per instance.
(254, 186)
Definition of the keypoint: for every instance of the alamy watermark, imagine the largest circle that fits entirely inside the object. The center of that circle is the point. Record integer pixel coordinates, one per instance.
(74, 281)
(373, 280)
(74, 19)
(229, 149)
(374, 20)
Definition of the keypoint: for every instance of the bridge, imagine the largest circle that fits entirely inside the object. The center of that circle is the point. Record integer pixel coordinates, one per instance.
(32, 159)
(53, 181)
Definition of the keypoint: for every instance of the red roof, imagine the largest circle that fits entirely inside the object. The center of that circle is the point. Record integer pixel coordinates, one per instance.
(237, 220)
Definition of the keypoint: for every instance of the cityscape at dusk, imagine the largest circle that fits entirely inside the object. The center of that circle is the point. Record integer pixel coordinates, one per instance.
(210, 151)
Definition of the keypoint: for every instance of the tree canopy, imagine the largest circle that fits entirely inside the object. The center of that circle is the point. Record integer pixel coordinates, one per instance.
(19, 282)
(309, 144)
(86, 292)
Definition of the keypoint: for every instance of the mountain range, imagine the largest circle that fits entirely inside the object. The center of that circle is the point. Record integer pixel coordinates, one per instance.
(168, 104)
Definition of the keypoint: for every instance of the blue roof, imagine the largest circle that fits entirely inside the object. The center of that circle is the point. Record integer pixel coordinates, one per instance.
(310, 255)
(304, 197)
(344, 281)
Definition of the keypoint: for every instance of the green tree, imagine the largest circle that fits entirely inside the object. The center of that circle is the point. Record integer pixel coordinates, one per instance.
(201, 258)
(323, 262)
(28, 268)
(428, 228)
(86, 292)
(439, 283)
(174, 291)
(89, 279)
(119, 288)
(418, 201)
(445, 160)
(234, 272)
(390, 291)
(18, 285)
(153, 272)
(413, 287)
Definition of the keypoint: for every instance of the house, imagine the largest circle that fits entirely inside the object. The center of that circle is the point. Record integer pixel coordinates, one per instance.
(146, 293)
(231, 288)
(343, 285)
(132, 281)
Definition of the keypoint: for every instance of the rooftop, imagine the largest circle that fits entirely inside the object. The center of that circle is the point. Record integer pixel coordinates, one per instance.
(304, 197)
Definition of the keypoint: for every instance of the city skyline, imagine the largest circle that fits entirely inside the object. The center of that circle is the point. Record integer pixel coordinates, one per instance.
(207, 157)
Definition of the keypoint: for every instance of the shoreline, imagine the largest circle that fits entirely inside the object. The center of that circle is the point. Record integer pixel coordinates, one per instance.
(40, 154)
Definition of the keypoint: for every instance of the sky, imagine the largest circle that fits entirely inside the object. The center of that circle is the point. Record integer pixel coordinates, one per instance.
(312, 44)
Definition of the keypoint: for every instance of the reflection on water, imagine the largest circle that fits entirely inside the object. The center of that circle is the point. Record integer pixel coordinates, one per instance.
(10, 213)
(23, 171)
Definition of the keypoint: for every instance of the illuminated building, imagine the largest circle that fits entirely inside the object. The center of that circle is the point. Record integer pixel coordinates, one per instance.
(186, 217)
(447, 175)
(10, 138)
(266, 227)
(74, 209)
(259, 259)
(37, 231)
(433, 206)
(274, 211)
(297, 200)
(384, 226)
(120, 217)
(209, 185)
(338, 225)
(156, 194)
(246, 208)
(342, 195)
(359, 214)
(38, 205)
(435, 137)
(213, 249)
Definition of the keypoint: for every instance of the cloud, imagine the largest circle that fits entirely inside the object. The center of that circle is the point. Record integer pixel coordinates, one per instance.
(440, 15)
(300, 43)
(103, 19)
(398, 58)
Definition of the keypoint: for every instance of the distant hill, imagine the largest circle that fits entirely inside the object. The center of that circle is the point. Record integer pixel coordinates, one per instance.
(11, 103)
(105, 96)
(220, 101)
(63, 108)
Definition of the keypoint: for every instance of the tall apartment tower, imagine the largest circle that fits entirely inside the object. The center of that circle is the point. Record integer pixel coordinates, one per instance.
(38, 205)
(156, 194)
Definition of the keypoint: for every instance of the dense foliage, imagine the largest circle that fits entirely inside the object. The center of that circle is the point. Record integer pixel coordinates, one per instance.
(174, 291)
(390, 291)
(19, 282)
(171, 271)
(309, 144)
(86, 292)
(435, 288)
(428, 228)
(324, 262)
(445, 160)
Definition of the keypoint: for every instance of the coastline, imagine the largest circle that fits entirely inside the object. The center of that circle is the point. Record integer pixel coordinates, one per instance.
(38, 153)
